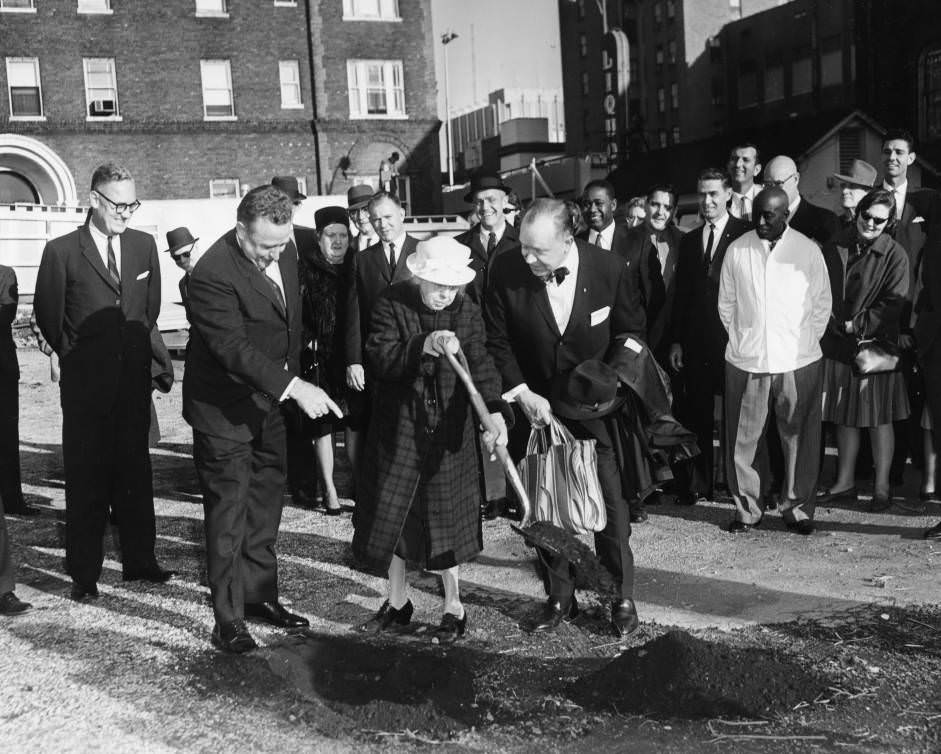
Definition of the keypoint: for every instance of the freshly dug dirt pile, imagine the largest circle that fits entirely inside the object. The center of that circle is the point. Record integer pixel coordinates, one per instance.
(679, 675)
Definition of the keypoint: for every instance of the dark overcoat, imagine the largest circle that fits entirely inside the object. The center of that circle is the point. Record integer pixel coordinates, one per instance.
(422, 436)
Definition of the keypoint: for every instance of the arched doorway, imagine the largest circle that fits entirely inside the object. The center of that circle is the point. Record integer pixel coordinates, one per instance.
(29, 167)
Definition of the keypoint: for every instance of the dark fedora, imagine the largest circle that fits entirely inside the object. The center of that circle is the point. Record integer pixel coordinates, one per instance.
(483, 182)
(178, 238)
(589, 391)
(288, 184)
(329, 216)
(359, 196)
(861, 174)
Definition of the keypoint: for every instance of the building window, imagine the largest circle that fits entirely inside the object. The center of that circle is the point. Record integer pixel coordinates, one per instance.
(747, 86)
(930, 99)
(21, 6)
(302, 183)
(718, 93)
(371, 10)
(586, 83)
(657, 13)
(675, 96)
(375, 88)
(581, 9)
(289, 72)
(94, 6)
(661, 100)
(676, 134)
(671, 51)
(735, 5)
(671, 9)
(212, 8)
(658, 55)
(101, 88)
(831, 68)
(802, 76)
(583, 45)
(25, 89)
(285, 3)
(217, 90)
(774, 83)
(662, 138)
(224, 188)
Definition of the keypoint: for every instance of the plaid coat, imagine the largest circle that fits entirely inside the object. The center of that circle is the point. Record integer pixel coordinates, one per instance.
(422, 437)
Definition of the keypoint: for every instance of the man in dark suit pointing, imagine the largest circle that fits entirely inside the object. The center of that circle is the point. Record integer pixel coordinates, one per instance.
(97, 299)
(242, 363)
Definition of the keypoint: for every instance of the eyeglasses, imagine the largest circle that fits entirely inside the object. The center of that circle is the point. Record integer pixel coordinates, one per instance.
(769, 183)
(120, 207)
(877, 221)
(182, 255)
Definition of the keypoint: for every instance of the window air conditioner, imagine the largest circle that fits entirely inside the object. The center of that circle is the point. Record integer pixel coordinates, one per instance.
(103, 107)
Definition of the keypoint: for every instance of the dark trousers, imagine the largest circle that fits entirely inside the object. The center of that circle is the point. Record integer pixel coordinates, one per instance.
(696, 411)
(6, 564)
(301, 466)
(908, 432)
(930, 361)
(612, 544)
(242, 484)
(11, 491)
(107, 470)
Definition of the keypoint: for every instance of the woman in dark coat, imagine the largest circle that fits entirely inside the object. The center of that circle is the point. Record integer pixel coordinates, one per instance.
(420, 498)
(869, 281)
(322, 283)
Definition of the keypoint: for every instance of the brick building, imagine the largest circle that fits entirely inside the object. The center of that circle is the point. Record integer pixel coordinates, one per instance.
(205, 97)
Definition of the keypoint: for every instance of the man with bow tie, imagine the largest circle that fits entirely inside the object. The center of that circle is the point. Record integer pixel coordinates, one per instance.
(553, 305)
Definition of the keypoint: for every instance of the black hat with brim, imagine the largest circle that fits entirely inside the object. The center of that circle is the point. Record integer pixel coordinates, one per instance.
(590, 391)
(485, 182)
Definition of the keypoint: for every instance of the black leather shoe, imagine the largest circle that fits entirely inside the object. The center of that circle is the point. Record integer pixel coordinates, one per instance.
(451, 628)
(805, 526)
(276, 614)
(740, 527)
(10, 604)
(84, 592)
(388, 619)
(770, 500)
(552, 615)
(934, 532)
(624, 617)
(688, 498)
(233, 637)
(638, 516)
(155, 574)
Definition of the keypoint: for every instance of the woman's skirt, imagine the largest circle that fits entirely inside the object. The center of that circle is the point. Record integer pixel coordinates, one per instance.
(871, 401)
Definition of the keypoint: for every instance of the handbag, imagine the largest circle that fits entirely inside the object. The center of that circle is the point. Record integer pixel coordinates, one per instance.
(560, 475)
(874, 356)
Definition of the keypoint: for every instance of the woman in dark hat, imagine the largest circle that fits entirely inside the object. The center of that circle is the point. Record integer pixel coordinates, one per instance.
(322, 287)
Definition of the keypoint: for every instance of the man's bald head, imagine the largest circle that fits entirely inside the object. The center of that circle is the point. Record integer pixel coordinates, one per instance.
(770, 213)
(782, 172)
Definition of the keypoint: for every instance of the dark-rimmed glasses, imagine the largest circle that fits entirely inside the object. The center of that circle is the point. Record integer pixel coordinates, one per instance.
(120, 207)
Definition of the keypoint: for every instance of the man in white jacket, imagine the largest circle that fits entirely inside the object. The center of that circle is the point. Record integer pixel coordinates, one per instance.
(774, 300)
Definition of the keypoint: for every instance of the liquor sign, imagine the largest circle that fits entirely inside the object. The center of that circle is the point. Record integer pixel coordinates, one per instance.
(615, 68)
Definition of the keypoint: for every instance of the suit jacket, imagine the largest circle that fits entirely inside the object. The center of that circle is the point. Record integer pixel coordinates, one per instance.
(522, 335)
(815, 222)
(9, 298)
(695, 321)
(922, 242)
(244, 349)
(368, 275)
(480, 262)
(99, 329)
(658, 283)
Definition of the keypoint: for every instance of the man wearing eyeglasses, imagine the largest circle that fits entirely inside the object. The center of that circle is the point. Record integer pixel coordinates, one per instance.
(815, 222)
(97, 299)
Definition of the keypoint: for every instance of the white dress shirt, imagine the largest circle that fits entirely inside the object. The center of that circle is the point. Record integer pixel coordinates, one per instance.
(746, 199)
(399, 242)
(900, 191)
(498, 232)
(719, 226)
(775, 303)
(363, 241)
(101, 243)
(602, 238)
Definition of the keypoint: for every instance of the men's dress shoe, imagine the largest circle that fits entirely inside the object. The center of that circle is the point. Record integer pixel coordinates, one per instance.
(552, 615)
(451, 628)
(929, 497)
(154, 573)
(805, 526)
(624, 617)
(879, 503)
(10, 604)
(493, 509)
(740, 527)
(388, 619)
(770, 500)
(233, 637)
(688, 498)
(934, 532)
(276, 614)
(83, 592)
(638, 516)
(849, 495)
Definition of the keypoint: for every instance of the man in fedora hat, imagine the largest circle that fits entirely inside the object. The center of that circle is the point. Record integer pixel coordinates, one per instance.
(357, 204)
(552, 305)
(181, 246)
(854, 185)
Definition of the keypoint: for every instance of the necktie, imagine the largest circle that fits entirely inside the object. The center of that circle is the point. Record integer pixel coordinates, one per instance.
(743, 212)
(277, 290)
(392, 258)
(113, 265)
(558, 275)
(707, 258)
(597, 239)
(491, 243)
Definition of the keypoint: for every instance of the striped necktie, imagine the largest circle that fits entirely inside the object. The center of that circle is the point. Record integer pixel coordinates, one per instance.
(113, 264)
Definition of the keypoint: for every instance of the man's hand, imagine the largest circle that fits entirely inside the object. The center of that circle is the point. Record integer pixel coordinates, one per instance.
(440, 342)
(676, 356)
(491, 440)
(356, 377)
(536, 408)
(313, 401)
(54, 366)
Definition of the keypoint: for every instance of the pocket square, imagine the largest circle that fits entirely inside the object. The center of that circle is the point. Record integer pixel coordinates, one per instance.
(918, 219)
(600, 315)
(144, 274)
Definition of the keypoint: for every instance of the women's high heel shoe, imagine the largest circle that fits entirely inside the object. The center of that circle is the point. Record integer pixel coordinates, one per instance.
(387, 619)
(451, 628)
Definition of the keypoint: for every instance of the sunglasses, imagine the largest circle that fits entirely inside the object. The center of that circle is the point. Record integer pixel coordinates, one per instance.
(183, 255)
(120, 207)
(877, 221)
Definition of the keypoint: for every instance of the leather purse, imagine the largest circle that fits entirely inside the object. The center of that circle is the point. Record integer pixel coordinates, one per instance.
(875, 356)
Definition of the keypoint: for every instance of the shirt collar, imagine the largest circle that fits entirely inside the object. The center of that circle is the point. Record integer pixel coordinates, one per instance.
(719, 225)
(398, 241)
(792, 207)
(100, 238)
(498, 232)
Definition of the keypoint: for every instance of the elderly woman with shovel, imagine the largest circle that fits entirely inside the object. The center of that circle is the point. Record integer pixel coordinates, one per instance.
(420, 498)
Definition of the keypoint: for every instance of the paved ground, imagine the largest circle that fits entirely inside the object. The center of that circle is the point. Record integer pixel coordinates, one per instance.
(134, 670)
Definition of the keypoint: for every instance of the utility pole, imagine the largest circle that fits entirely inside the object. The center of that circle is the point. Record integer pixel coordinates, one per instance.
(447, 38)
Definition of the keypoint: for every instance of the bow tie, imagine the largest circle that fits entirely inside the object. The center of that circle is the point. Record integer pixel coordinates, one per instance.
(559, 274)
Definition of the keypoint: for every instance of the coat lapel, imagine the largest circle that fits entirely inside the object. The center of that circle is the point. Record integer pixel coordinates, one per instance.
(580, 305)
(255, 277)
(90, 252)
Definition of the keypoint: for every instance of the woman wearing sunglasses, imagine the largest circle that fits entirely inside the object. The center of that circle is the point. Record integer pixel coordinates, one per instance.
(869, 281)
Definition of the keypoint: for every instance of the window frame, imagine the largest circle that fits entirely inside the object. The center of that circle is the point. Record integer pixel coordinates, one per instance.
(203, 88)
(31, 8)
(350, 14)
(298, 104)
(38, 86)
(359, 92)
(224, 13)
(228, 195)
(108, 10)
(89, 99)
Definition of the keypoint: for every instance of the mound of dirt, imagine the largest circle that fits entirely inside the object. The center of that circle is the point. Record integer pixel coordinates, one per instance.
(679, 675)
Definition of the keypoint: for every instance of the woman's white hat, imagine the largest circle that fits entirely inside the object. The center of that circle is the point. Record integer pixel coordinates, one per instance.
(441, 260)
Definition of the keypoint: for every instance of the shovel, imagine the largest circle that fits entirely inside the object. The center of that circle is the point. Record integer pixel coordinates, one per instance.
(589, 572)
